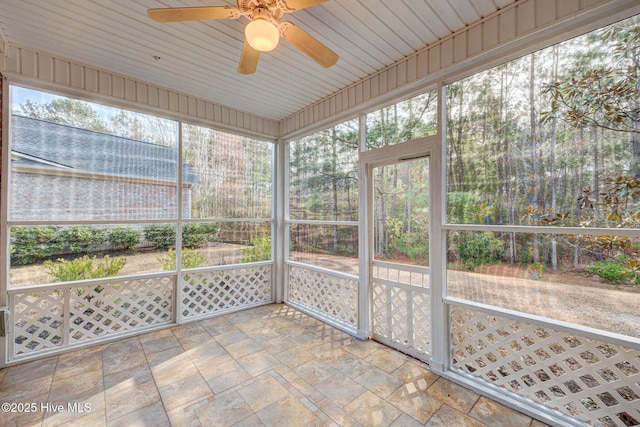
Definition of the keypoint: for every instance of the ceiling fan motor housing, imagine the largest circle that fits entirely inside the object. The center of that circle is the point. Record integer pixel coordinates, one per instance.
(271, 10)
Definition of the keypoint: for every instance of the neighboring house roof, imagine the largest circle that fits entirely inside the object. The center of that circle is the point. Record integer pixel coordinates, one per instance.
(36, 142)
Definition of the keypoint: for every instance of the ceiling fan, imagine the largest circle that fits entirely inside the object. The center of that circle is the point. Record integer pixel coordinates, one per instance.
(264, 30)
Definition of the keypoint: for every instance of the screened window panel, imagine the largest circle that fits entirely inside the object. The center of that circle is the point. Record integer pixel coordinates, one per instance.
(42, 254)
(330, 246)
(403, 121)
(324, 175)
(229, 176)
(77, 161)
(550, 138)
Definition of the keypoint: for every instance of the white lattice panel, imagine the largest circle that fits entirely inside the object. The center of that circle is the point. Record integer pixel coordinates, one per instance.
(119, 306)
(38, 321)
(402, 317)
(594, 381)
(216, 290)
(333, 296)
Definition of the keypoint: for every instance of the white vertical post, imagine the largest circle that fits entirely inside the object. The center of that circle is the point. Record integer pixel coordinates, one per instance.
(364, 237)
(440, 322)
(178, 283)
(4, 238)
(279, 229)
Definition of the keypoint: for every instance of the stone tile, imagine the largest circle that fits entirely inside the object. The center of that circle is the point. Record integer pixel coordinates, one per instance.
(126, 401)
(174, 369)
(278, 344)
(217, 367)
(251, 326)
(379, 382)
(165, 356)
(187, 330)
(301, 386)
(386, 360)
(447, 416)
(183, 391)
(258, 362)
(224, 411)
(336, 414)
(252, 421)
(264, 334)
(405, 420)
(76, 387)
(290, 409)
(371, 410)
(494, 414)
(29, 371)
(159, 344)
(536, 423)
(243, 348)
(123, 362)
(315, 371)
(197, 340)
(308, 340)
(361, 348)
(228, 380)
(233, 336)
(414, 402)
(185, 415)
(27, 391)
(412, 373)
(72, 366)
(262, 392)
(120, 347)
(340, 389)
(96, 417)
(152, 415)
(351, 365)
(24, 418)
(295, 357)
(76, 408)
(205, 353)
(328, 352)
(128, 378)
(453, 395)
(217, 326)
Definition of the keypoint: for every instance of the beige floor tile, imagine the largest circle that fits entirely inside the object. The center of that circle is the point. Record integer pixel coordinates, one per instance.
(494, 414)
(251, 421)
(159, 344)
(29, 371)
(228, 380)
(234, 335)
(290, 409)
(308, 340)
(29, 391)
(173, 369)
(242, 348)
(95, 418)
(295, 357)
(216, 367)
(447, 416)
(315, 371)
(25, 418)
(370, 410)
(258, 362)
(78, 364)
(76, 409)
(405, 420)
(386, 360)
(302, 386)
(262, 392)
(120, 347)
(124, 362)
(415, 374)
(329, 353)
(414, 402)
(264, 334)
(126, 401)
(148, 416)
(127, 378)
(217, 326)
(361, 348)
(250, 327)
(187, 330)
(278, 344)
(224, 411)
(336, 414)
(379, 382)
(76, 387)
(205, 353)
(161, 357)
(453, 395)
(197, 340)
(351, 365)
(340, 389)
(184, 391)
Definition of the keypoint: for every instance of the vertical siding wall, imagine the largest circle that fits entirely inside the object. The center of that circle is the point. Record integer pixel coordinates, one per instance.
(39, 66)
(527, 21)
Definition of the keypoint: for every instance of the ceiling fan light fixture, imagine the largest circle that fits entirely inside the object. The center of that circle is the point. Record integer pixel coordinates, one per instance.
(262, 35)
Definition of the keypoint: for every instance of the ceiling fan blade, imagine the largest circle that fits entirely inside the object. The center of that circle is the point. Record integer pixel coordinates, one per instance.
(177, 14)
(301, 4)
(248, 59)
(308, 44)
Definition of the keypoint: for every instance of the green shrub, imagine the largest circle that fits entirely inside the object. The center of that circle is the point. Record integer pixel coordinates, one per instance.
(82, 238)
(614, 271)
(198, 233)
(479, 248)
(30, 244)
(161, 235)
(413, 245)
(84, 268)
(260, 249)
(123, 237)
(190, 259)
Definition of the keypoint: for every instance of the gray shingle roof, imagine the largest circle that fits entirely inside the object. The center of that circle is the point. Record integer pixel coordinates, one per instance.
(83, 150)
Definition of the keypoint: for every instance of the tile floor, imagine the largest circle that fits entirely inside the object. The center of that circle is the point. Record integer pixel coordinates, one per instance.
(267, 366)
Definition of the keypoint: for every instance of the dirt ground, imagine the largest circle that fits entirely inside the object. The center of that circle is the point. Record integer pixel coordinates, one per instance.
(574, 297)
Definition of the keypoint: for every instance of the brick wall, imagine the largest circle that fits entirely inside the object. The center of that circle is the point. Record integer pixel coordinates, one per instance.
(48, 197)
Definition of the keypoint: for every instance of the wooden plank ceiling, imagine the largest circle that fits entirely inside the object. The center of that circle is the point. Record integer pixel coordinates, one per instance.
(200, 58)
